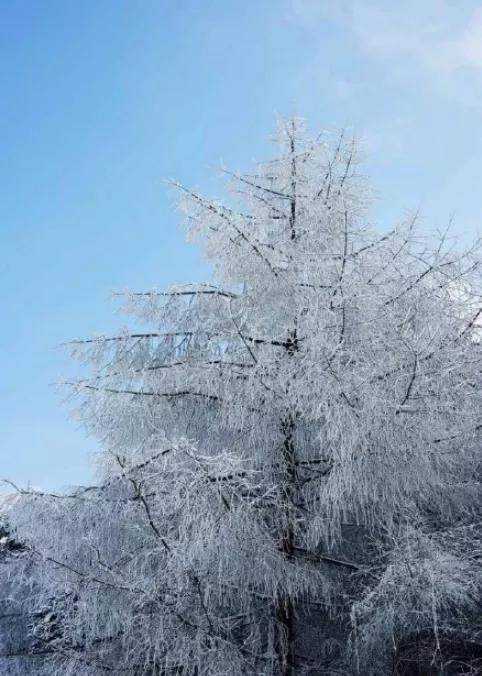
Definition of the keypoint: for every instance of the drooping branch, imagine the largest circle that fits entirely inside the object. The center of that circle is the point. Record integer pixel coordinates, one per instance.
(141, 497)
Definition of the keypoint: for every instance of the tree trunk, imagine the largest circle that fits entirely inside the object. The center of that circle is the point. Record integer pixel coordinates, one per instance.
(284, 611)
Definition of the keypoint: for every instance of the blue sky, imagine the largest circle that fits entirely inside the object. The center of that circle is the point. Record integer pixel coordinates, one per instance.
(102, 100)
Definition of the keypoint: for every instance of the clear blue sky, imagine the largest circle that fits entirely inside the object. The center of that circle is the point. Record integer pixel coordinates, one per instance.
(101, 100)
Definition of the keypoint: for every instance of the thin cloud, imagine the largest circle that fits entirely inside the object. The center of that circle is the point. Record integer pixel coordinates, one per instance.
(433, 36)
(466, 49)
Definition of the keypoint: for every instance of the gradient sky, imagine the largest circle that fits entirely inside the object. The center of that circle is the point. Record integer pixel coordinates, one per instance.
(101, 100)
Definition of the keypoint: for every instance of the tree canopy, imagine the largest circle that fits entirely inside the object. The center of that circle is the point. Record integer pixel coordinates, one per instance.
(289, 480)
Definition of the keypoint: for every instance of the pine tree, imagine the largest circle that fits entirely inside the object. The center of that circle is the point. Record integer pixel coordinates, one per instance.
(289, 465)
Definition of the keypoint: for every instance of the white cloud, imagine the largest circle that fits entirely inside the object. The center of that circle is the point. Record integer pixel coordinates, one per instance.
(433, 35)
(465, 50)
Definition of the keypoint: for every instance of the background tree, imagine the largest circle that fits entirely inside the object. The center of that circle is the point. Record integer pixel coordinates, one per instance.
(290, 453)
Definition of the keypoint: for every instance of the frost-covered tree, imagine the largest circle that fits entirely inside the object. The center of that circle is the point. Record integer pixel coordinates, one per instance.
(289, 475)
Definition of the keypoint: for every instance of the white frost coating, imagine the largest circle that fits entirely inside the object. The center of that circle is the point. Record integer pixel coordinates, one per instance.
(325, 381)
